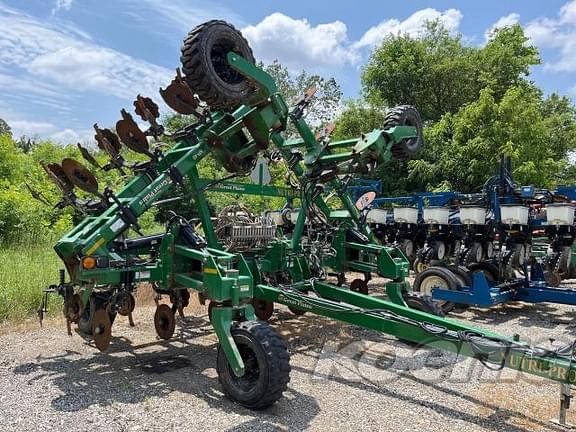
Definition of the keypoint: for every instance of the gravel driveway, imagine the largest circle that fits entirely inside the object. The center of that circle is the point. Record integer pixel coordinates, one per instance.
(343, 378)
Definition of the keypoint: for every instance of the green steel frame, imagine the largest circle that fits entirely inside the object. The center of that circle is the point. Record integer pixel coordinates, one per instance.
(232, 280)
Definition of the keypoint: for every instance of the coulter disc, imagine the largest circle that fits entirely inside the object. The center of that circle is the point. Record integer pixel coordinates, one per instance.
(164, 321)
(101, 329)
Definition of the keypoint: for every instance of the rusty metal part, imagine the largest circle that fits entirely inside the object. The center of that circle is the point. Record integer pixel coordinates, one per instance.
(263, 309)
(80, 176)
(359, 286)
(101, 329)
(127, 305)
(73, 308)
(131, 135)
(179, 96)
(107, 141)
(146, 108)
(164, 321)
(325, 132)
(87, 156)
(58, 176)
(180, 299)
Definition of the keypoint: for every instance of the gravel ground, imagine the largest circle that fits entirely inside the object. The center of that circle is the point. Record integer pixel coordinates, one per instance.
(343, 378)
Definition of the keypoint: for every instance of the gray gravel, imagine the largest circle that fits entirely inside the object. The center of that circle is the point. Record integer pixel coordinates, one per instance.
(343, 378)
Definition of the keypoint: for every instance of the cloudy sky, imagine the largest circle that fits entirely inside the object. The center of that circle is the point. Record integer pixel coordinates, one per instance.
(65, 64)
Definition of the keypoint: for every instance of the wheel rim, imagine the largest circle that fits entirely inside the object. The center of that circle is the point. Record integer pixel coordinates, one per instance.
(440, 250)
(479, 253)
(431, 282)
(411, 143)
(420, 267)
(408, 248)
(220, 63)
(489, 250)
(248, 382)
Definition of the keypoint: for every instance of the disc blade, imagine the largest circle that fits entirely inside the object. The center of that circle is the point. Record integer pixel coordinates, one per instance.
(131, 135)
(179, 97)
(58, 176)
(164, 321)
(80, 176)
(107, 141)
(143, 104)
(101, 329)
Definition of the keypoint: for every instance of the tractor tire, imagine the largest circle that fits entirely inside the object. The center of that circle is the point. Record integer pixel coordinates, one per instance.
(407, 248)
(462, 273)
(267, 364)
(490, 270)
(263, 309)
(474, 255)
(422, 303)
(464, 279)
(206, 67)
(425, 281)
(296, 311)
(405, 115)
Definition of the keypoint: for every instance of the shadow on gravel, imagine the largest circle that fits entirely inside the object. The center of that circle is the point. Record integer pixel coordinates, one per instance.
(528, 315)
(133, 374)
(307, 334)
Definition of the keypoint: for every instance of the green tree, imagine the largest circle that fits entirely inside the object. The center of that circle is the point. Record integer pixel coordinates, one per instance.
(326, 102)
(5, 128)
(439, 74)
(463, 149)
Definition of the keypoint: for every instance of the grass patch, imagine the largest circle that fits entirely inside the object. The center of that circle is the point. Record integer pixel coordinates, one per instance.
(25, 270)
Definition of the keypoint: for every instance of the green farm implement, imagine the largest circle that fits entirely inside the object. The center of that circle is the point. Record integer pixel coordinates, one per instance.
(243, 264)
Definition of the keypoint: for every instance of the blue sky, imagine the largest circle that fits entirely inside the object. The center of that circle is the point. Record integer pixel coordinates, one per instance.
(66, 64)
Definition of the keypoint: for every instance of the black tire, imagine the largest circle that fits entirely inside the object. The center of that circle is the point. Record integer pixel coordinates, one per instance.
(490, 270)
(263, 309)
(359, 286)
(296, 311)
(464, 279)
(422, 303)
(461, 272)
(206, 68)
(450, 281)
(474, 254)
(267, 364)
(405, 115)
(407, 248)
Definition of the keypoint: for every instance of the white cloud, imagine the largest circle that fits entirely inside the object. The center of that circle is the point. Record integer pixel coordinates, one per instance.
(68, 136)
(505, 21)
(414, 25)
(62, 5)
(181, 14)
(30, 128)
(60, 56)
(297, 43)
(557, 33)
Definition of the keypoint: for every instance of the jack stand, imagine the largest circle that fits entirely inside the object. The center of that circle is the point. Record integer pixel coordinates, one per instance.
(565, 398)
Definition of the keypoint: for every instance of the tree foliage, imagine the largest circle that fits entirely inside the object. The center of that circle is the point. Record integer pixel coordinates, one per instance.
(477, 103)
(438, 73)
(5, 129)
